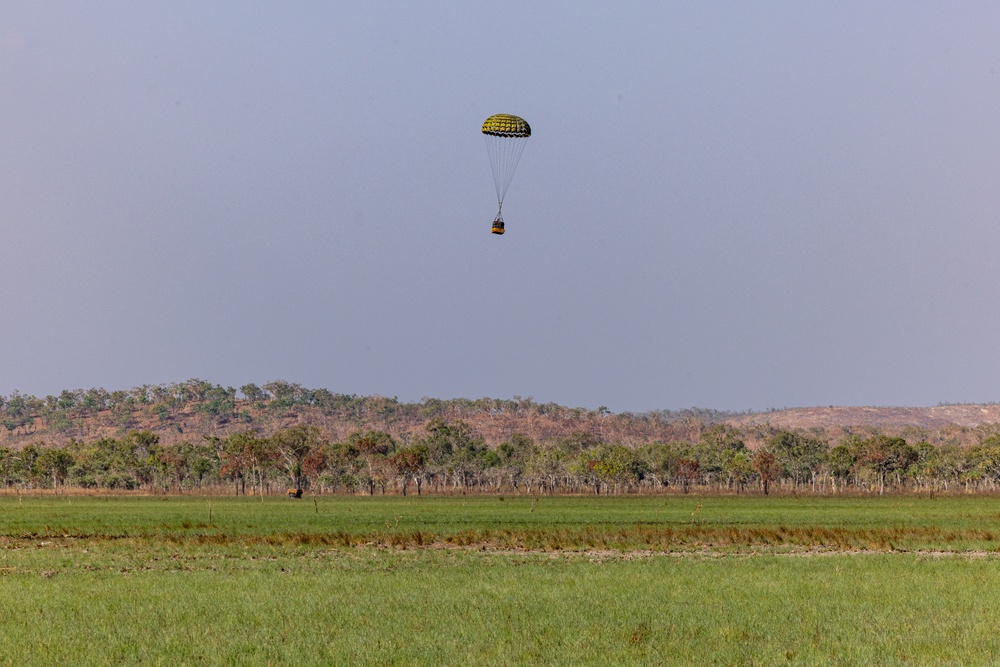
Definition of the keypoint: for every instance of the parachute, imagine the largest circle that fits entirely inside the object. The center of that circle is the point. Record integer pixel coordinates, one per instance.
(505, 138)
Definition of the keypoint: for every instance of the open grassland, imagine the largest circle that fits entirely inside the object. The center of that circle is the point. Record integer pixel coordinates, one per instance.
(576, 581)
(636, 523)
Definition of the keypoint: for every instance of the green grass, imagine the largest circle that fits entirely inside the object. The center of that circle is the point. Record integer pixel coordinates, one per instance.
(154, 581)
(669, 523)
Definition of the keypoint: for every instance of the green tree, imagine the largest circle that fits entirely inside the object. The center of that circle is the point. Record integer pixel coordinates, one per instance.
(19, 412)
(610, 466)
(184, 460)
(843, 462)
(283, 395)
(204, 463)
(926, 469)
(954, 464)
(344, 464)
(985, 458)
(219, 401)
(293, 446)
(715, 449)
(245, 454)
(254, 394)
(409, 463)
(8, 466)
(454, 450)
(885, 456)
(801, 457)
(26, 469)
(739, 469)
(661, 460)
(145, 461)
(54, 463)
(545, 468)
(373, 448)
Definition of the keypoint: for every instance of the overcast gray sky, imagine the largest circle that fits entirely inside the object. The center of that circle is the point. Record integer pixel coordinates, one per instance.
(736, 205)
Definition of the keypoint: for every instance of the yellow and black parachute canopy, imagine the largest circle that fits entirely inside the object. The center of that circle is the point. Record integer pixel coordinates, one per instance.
(506, 125)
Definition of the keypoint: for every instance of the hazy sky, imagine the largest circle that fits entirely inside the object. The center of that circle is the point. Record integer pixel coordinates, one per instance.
(736, 205)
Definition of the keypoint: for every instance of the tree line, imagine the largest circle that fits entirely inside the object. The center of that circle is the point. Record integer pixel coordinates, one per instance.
(450, 457)
(173, 411)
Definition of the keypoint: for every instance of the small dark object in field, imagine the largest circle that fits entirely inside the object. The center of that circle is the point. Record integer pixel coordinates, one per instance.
(641, 633)
(294, 493)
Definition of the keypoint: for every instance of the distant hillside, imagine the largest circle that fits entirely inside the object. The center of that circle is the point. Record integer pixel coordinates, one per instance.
(840, 418)
(193, 410)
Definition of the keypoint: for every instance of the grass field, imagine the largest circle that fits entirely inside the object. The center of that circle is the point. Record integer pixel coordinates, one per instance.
(484, 581)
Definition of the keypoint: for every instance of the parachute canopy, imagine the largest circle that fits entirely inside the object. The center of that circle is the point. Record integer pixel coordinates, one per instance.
(505, 125)
(505, 138)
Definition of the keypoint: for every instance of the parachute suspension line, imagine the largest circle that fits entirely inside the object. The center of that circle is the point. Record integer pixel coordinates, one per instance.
(493, 150)
(513, 157)
(504, 154)
(495, 146)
